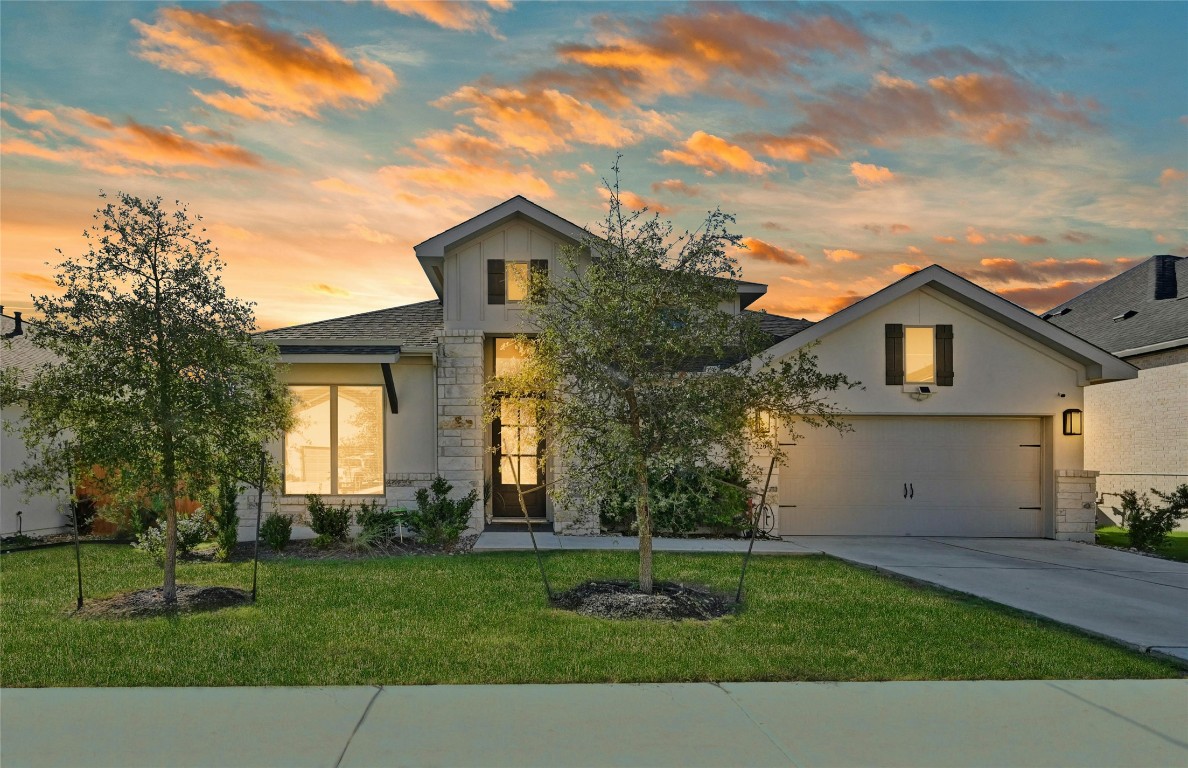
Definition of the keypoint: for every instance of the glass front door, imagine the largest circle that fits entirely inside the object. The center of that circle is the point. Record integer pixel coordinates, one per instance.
(518, 457)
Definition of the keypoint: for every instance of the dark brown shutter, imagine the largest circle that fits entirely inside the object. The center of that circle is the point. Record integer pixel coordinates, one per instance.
(894, 354)
(944, 355)
(540, 271)
(496, 281)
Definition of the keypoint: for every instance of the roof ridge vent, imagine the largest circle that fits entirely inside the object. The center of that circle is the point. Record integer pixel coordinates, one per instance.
(1163, 277)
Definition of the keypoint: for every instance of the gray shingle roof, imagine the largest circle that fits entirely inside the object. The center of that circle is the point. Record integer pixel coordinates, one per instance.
(411, 324)
(20, 352)
(1092, 314)
(778, 326)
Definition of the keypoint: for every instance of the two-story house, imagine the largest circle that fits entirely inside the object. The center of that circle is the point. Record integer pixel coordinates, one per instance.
(969, 422)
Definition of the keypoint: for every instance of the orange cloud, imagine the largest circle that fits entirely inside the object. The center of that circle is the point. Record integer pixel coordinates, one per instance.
(335, 184)
(539, 121)
(676, 186)
(634, 202)
(1040, 298)
(277, 74)
(913, 250)
(329, 290)
(974, 237)
(996, 109)
(1171, 176)
(563, 175)
(764, 251)
(869, 175)
(905, 269)
(820, 306)
(74, 136)
(841, 254)
(714, 155)
(39, 281)
(455, 15)
(681, 53)
(944, 239)
(1028, 239)
(795, 149)
(1004, 270)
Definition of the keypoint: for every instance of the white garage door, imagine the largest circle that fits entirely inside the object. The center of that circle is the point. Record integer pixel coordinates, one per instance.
(902, 476)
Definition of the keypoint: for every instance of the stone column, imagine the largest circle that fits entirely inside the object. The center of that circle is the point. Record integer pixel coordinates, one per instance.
(460, 435)
(1076, 504)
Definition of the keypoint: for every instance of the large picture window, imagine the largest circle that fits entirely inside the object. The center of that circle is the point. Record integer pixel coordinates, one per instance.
(336, 446)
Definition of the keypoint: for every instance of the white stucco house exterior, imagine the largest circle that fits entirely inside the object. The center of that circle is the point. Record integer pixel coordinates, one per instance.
(959, 430)
(1136, 430)
(32, 514)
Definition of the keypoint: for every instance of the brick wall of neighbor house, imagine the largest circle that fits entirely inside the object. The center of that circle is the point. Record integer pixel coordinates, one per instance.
(1076, 510)
(1136, 432)
(460, 443)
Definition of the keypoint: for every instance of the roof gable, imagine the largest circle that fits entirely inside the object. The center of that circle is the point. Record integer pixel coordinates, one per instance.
(1099, 364)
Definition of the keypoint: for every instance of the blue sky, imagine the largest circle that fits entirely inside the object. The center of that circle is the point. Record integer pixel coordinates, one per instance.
(1037, 148)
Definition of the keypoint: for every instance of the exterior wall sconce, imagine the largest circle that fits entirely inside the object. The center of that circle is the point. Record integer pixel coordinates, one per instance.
(1074, 422)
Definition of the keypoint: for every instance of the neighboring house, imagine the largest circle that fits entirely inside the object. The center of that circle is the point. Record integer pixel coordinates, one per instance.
(958, 429)
(41, 513)
(1136, 431)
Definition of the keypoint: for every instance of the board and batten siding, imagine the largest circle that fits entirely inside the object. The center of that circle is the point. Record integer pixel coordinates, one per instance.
(465, 275)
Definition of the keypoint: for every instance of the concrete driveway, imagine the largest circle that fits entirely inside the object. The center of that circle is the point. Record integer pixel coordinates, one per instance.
(1137, 600)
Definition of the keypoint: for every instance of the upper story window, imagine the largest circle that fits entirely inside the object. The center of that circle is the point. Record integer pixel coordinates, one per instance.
(507, 281)
(919, 354)
(336, 445)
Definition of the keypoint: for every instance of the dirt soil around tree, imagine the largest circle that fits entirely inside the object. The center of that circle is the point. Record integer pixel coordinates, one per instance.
(623, 600)
(146, 603)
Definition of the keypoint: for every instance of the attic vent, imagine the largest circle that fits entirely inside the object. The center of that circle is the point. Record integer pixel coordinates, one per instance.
(1163, 277)
(1125, 315)
(1064, 311)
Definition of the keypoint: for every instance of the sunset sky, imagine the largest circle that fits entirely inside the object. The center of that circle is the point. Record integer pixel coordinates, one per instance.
(1035, 148)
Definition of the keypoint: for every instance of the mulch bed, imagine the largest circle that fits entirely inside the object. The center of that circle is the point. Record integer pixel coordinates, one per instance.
(145, 603)
(623, 600)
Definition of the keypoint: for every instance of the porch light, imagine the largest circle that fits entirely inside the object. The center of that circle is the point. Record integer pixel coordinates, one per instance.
(1073, 422)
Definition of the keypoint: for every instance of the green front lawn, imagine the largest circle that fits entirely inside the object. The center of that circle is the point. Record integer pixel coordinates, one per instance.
(1176, 546)
(484, 619)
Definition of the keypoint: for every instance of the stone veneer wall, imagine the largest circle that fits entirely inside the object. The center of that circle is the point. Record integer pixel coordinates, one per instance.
(1076, 504)
(460, 434)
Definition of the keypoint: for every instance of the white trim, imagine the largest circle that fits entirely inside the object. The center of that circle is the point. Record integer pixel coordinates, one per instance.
(332, 358)
(1100, 366)
(1172, 344)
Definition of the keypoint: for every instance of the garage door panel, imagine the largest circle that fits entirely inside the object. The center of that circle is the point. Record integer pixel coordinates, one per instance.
(964, 476)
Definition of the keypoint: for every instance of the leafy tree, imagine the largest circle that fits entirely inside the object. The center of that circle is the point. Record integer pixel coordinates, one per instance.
(157, 378)
(645, 375)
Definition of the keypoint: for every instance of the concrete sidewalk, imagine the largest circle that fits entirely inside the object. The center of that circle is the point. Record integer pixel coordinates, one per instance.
(953, 724)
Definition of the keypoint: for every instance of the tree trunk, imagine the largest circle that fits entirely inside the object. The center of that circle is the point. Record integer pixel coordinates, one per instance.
(170, 471)
(643, 519)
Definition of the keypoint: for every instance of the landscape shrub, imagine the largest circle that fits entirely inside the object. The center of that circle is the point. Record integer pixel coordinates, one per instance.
(378, 522)
(685, 501)
(327, 520)
(225, 517)
(276, 531)
(438, 519)
(1147, 525)
(192, 530)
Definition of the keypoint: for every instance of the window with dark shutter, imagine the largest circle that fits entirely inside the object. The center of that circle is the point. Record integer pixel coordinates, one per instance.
(894, 353)
(944, 355)
(496, 281)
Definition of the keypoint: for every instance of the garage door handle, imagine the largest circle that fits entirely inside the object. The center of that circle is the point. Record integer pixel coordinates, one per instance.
(905, 490)
(911, 491)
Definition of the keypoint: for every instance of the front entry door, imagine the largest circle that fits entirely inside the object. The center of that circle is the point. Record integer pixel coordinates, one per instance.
(518, 450)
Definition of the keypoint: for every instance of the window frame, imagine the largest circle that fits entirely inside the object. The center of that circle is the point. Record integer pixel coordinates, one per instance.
(334, 458)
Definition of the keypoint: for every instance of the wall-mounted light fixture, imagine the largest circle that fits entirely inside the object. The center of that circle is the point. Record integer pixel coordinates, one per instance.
(1074, 422)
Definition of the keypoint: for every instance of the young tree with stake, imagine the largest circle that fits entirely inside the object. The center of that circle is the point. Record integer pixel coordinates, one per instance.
(157, 378)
